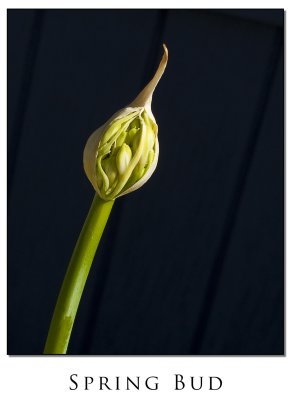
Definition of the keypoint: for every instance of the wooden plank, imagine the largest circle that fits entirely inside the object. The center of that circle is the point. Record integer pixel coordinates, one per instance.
(23, 32)
(254, 315)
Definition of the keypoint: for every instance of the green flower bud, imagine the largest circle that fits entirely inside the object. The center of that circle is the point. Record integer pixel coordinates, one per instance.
(123, 158)
(122, 154)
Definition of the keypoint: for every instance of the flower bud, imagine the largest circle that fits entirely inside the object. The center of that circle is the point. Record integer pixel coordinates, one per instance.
(122, 154)
(123, 158)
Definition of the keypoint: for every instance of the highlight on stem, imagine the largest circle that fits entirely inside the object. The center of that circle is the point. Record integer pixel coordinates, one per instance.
(119, 157)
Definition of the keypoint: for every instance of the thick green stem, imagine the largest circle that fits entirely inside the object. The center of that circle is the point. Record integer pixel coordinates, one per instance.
(76, 276)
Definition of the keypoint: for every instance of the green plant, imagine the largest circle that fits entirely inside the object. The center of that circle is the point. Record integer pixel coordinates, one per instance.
(119, 157)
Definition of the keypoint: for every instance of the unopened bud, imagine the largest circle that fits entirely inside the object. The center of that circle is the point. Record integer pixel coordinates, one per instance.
(123, 158)
(122, 154)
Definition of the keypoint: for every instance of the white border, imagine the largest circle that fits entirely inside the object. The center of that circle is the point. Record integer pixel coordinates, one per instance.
(35, 377)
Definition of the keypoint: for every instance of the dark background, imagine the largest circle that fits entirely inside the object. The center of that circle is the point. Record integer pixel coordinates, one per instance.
(192, 263)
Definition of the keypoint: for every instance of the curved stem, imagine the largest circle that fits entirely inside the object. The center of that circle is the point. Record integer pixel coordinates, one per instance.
(76, 276)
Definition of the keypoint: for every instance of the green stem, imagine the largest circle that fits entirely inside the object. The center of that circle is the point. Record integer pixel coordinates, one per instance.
(76, 276)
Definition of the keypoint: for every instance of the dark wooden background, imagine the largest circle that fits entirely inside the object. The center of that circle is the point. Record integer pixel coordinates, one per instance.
(193, 263)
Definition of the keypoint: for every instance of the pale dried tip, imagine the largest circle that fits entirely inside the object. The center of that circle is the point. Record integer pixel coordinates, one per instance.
(145, 97)
(165, 55)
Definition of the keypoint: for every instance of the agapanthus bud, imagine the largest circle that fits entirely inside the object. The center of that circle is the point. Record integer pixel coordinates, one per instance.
(122, 154)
